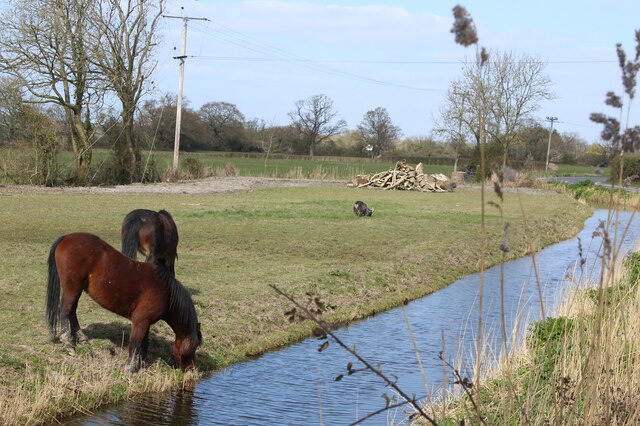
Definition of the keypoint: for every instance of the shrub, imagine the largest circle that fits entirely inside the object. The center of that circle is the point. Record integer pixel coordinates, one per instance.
(546, 339)
(632, 265)
(631, 167)
(193, 168)
(230, 170)
(150, 171)
(108, 172)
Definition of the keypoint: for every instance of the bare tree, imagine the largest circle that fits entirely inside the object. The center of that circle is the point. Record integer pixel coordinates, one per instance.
(511, 91)
(123, 50)
(519, 85)
(460, 117)
(43, 45)
(315, 119)
(377, 130)
(11, 103)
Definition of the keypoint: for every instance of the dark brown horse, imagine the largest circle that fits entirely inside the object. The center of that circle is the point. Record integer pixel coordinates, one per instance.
(153, 234)
(142, 292)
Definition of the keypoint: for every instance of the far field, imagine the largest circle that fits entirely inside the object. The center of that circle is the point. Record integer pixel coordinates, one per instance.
(252, 164)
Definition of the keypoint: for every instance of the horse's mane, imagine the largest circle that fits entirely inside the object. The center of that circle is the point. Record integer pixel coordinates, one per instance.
(180, 301)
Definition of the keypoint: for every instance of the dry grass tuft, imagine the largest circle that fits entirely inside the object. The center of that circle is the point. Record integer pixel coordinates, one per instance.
(81, 384)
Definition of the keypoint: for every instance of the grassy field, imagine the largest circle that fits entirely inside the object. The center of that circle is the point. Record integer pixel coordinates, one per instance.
(338, 168)
(580, 171)
(18, 164)
(231, 248)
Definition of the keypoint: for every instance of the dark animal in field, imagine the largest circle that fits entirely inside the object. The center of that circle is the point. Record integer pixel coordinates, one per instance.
(153, 234)
(142, 292)
(361, 209)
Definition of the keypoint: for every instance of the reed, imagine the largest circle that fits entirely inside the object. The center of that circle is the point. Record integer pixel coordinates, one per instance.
(580, 366)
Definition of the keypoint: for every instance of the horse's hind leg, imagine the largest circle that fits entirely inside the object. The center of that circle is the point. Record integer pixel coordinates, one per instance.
(138, 344)
(75, 328)
(70, 328)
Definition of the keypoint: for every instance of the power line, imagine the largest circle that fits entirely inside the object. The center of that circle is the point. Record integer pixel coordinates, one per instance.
(371, 61)
(276, 53)
(579, 125)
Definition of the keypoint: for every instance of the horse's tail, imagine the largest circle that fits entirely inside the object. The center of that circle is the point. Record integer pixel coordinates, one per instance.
(168, 220)
(130, 237)
(53, 291)
(170, 225)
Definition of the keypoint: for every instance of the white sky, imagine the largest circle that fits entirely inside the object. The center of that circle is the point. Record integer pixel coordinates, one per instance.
(264, 55)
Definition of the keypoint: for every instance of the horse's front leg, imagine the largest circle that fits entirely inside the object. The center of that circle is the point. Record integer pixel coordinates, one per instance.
(144, 347)
(138, 343)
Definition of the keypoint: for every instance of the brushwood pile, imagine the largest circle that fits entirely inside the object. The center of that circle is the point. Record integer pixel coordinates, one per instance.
(405, 177)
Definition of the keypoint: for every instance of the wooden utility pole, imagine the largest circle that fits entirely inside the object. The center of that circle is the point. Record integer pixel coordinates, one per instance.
(551, 119)
(182, 57)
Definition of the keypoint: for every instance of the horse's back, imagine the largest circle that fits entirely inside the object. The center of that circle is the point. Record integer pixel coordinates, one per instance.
(113, 280)
(80, 250)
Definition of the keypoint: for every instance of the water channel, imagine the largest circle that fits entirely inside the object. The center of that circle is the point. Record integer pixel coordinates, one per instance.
(296, 385)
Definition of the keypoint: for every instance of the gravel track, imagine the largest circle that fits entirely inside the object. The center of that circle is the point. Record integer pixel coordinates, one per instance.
(212, 185)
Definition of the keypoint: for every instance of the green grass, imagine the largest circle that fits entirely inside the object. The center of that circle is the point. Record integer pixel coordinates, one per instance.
(572, 170)
(232, 246)
(575, 170)
(596, 195)
(336, 168)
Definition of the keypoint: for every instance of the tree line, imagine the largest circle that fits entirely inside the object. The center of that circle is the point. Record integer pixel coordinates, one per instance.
(221, 126)
(62, 62)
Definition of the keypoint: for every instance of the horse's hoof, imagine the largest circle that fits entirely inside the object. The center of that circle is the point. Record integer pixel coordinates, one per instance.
(67, 343)
(82, 338)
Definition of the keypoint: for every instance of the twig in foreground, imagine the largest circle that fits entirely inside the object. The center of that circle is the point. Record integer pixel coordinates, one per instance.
(327, 330)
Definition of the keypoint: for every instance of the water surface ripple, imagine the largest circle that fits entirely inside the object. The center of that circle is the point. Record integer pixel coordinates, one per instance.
(296, 385)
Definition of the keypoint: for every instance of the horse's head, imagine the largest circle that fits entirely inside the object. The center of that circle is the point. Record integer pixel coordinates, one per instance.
(184, 349)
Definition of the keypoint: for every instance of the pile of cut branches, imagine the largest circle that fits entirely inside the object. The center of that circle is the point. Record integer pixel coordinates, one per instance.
(406, 178)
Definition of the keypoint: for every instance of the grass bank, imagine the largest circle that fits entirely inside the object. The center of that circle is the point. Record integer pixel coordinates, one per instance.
(581, 366)
(596, 195)
(232, 246)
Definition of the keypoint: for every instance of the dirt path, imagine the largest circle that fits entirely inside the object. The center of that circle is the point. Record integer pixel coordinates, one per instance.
(210, 185)
(214, 185)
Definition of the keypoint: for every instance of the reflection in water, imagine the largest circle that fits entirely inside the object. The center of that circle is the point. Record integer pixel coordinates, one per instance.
(296, 385)
(177, 407)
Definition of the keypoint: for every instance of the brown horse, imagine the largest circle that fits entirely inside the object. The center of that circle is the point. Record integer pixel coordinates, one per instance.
(154, 234)
(142, 292)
